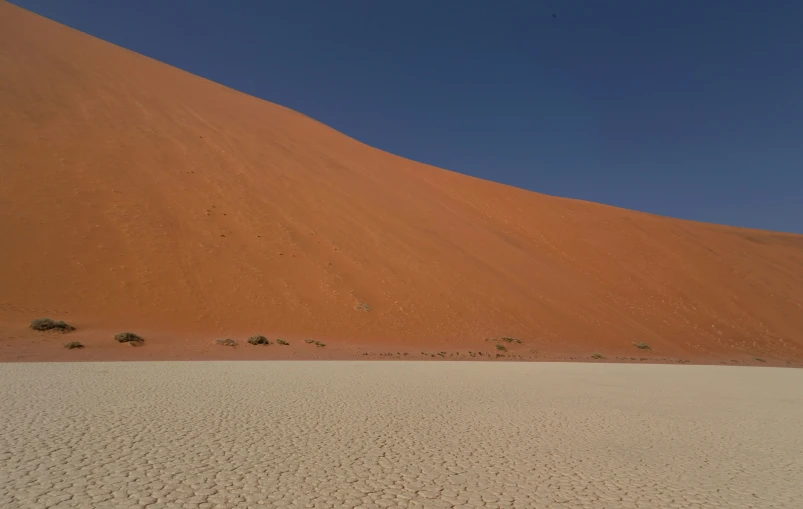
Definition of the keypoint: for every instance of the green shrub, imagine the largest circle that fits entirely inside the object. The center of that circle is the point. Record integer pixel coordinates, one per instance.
(500, 347)
(47, 324)
(128, 337)
(73, 345)
(258, 340)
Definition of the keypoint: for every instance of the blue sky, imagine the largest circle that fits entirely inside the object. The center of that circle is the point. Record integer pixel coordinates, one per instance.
(687, 109)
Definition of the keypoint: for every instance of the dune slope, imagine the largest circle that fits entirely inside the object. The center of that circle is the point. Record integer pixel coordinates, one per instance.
(136, 195)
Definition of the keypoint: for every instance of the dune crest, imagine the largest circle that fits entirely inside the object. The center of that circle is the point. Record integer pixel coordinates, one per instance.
(135, 195)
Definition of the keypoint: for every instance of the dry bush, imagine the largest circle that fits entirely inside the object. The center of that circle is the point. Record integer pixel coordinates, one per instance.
(128, 337)
(48, 324)
(258, 340)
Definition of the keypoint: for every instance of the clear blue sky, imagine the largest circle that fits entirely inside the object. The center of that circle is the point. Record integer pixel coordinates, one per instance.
(691, 109)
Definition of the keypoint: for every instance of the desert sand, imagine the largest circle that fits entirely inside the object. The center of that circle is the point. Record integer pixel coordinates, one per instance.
(399, 434)
(136, 196)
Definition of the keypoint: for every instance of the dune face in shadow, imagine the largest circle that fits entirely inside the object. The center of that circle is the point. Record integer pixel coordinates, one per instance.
(135, 195)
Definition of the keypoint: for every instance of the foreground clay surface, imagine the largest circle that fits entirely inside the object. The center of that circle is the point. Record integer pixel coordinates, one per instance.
(135, 196)
(399, 434)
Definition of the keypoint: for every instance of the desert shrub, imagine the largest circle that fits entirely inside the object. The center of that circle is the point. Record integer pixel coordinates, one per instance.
(226, 342)
(319, 344)
(309, 341)
(282, 342)
(47, 324)
(73, 345)
(759, 359)
(128, 337)
(362, 306)
(500, 347)
(640, 345)
(511, 340)
(258, 340)
(597, 355)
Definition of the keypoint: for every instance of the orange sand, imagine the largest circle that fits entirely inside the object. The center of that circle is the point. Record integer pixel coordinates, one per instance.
(135, 196)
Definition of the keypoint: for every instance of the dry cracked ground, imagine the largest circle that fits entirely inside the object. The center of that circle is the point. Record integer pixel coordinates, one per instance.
(399, 434)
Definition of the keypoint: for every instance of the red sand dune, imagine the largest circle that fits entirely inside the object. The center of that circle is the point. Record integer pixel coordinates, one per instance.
(136, 196)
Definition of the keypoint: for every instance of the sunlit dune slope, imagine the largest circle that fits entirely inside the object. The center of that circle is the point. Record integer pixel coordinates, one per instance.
(136, 195)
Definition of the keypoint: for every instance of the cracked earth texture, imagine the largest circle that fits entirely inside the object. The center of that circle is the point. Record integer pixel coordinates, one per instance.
(399, 434)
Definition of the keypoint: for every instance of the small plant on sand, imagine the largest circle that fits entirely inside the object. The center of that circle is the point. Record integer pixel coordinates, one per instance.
(282, 342)
(319, 344)
(73, 345)
(128, 337)
(226, 342)
(362, 306)
(47, 324)
(759, 359)
(501, 347)
(309, 341)
(258, 340)
(597, 355)
(511, 340)
(640, 345)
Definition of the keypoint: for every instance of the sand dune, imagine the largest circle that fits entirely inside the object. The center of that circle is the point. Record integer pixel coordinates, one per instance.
(348, 435)
(134, 195)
